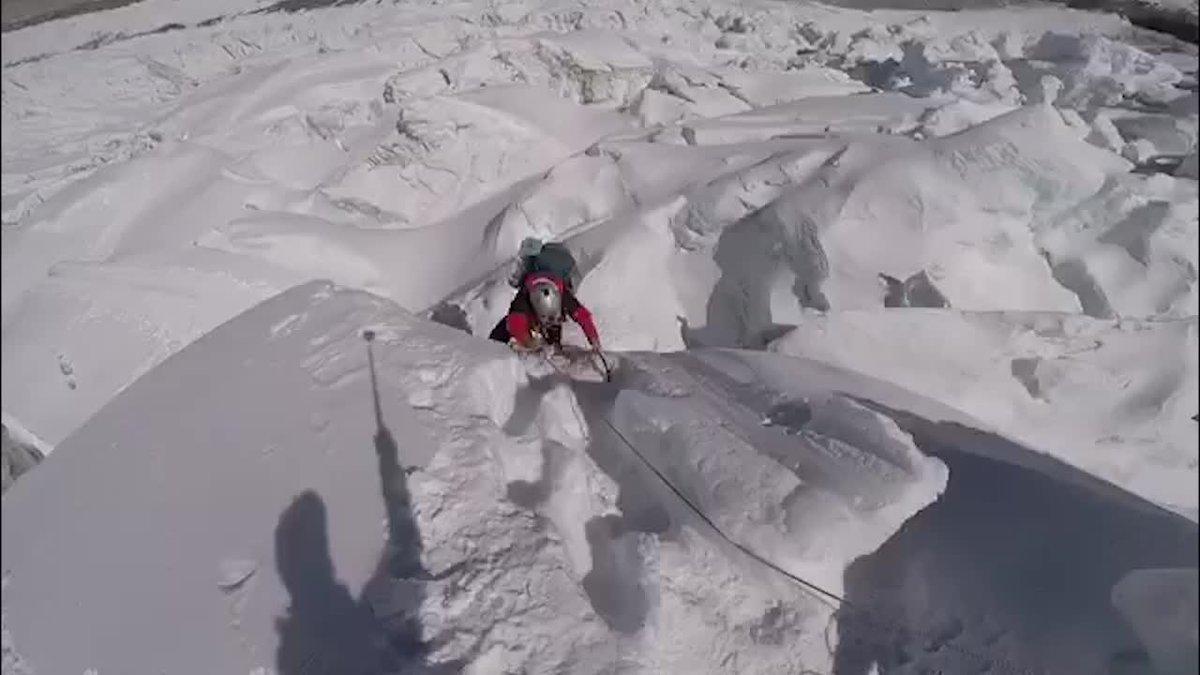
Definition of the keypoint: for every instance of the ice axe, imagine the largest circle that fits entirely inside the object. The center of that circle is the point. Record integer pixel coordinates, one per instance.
(604, 363)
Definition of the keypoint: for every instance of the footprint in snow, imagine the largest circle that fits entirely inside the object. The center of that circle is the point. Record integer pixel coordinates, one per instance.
(65, 367)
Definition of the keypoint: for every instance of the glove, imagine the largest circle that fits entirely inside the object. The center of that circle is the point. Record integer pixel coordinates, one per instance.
(518, 346)
(534, 343)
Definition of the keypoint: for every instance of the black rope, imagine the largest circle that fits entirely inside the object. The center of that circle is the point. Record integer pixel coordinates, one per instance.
(814, 589)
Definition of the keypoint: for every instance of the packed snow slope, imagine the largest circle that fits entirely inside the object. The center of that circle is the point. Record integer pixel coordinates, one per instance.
(993, 209)
(258, 474)
(723, 171)
(285, 496)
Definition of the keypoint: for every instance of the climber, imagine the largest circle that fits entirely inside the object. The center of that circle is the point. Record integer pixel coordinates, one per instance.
(544, 278)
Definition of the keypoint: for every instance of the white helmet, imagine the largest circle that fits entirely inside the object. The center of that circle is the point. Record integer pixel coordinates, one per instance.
(546, 301)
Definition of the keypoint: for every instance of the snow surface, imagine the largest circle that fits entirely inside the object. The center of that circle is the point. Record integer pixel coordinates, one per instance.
(533, 522)
(1161, 604)
(508, 528)
(994, 209)
(21, 451)
(1088, 387)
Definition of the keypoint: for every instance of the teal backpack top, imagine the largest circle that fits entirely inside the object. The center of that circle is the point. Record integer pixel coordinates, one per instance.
(556, 259)
(551, 257)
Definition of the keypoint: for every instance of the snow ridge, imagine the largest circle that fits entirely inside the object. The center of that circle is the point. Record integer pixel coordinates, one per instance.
(993, 211)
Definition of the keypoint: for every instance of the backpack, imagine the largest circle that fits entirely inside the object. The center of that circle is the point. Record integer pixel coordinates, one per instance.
(556, 259)
(551, 257)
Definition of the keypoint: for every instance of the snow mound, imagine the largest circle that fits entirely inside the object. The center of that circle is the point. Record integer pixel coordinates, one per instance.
(555, 205)
(586, 66)
(827, 218)
(445, 151)
(89, 330)
(1083, 389)
(397, 495)
(510, 506)
(1161, 606)
(1096, 70)
(759, 178)
(21, 451)
(767, 466)
(1130, 249)
(994, 208)
(764, 89)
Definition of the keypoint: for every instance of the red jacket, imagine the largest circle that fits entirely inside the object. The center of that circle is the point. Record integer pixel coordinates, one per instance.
(521, 317)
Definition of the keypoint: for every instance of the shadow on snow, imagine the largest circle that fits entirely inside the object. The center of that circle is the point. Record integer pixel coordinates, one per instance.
(325, 630)
(1010, 562)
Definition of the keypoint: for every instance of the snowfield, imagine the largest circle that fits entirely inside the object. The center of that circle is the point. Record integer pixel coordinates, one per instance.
(507, 526)
(903, 304)
(529, 515)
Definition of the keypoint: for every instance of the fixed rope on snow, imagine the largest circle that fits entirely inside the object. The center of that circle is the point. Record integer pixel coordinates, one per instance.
(605, 369)
(830, 598)
(814, 589)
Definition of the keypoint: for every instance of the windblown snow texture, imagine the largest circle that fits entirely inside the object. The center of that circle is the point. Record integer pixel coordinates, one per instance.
(476, 530)
(991, 212)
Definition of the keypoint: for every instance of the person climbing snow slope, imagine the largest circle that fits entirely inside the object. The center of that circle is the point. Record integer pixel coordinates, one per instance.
(543, 276)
